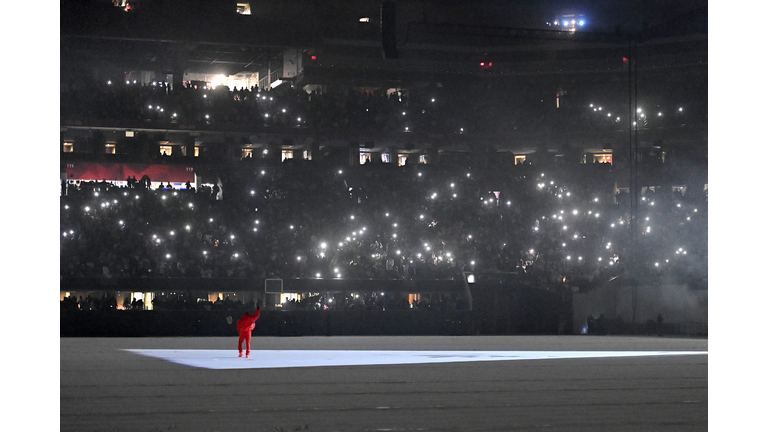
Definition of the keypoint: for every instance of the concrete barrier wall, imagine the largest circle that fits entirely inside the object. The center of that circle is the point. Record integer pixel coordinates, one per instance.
(75, 323)
(684, 309)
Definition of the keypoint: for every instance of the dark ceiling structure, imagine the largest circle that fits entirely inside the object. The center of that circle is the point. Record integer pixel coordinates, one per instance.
(209, 36)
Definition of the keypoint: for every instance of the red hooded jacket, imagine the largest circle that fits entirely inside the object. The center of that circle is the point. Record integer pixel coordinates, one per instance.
(248, 322)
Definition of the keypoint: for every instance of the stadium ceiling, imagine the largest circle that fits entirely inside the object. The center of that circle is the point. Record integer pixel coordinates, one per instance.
(200, 36)
(164, 55)
(162, 37)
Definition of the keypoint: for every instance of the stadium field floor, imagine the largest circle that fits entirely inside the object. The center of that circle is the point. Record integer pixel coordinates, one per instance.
(382, 383)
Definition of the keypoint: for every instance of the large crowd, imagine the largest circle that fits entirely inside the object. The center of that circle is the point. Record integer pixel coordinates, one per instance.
(561, 228)
(461, 106)
(556, 228)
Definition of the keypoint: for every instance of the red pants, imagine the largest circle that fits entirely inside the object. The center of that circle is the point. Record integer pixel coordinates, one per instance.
(244, 336)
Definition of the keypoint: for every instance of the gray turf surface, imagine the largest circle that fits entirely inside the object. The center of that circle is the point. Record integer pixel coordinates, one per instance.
(105, 388)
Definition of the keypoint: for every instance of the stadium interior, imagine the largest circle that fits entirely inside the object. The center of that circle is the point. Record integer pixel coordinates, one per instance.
(382, 167)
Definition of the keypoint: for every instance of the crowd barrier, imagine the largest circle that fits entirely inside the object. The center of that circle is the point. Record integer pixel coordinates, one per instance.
(75, 323)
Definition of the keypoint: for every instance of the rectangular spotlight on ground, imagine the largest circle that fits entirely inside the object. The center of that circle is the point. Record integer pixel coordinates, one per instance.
(228, 359)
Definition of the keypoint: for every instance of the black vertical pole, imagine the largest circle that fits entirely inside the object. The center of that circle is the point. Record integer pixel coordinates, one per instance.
(631, 259)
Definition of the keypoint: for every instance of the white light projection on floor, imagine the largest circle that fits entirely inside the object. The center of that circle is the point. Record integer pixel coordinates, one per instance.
(228, 359)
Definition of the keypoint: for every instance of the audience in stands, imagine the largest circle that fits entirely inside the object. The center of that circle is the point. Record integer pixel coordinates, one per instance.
(411, 223)
(460, 107)
(557, 229)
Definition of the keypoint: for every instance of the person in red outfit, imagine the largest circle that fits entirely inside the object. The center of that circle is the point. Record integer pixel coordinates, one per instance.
(245, 325)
